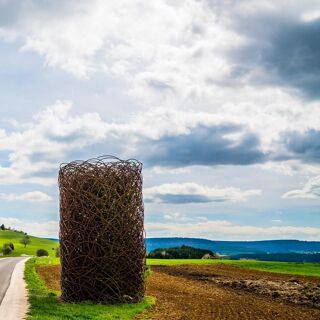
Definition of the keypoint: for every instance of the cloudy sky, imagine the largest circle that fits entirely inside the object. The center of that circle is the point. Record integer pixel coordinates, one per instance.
(219, 99)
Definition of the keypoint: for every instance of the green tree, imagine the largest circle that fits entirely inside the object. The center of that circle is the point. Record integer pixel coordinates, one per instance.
(2, 227)
(25, 240)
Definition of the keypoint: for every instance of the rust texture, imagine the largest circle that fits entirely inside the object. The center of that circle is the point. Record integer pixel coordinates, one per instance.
(102, 231)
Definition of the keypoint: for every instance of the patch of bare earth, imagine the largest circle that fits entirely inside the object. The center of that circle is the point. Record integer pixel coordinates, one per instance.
(50, 275)
(204, 292)
(219, 292)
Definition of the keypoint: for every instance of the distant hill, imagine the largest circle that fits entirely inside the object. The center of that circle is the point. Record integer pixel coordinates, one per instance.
(241, 249)
(237, 247)
(36, 243)
(53, 239)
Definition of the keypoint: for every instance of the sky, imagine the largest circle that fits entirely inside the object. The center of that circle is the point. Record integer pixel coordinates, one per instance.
(220, 100)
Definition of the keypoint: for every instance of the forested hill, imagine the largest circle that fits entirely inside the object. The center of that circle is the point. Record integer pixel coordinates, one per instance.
(236, 247)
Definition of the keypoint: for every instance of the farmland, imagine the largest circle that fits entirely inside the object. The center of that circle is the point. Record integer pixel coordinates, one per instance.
(200, 289)
(45, 303)
(309, 269)
(182, 289)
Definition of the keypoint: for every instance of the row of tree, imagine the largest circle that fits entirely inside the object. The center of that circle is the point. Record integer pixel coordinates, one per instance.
(183, 252)
(3, 227)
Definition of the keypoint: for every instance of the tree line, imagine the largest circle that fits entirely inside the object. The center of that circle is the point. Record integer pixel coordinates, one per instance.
(183, 252)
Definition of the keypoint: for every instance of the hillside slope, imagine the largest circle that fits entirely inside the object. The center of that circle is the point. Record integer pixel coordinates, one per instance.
(36, 243)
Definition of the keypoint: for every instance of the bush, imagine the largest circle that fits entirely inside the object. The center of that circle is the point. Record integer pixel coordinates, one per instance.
(9, 244)
(7, 250)
(42, 253)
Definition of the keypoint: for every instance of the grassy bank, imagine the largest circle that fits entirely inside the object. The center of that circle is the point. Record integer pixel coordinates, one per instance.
(45, 303)
(30, 249)
(307, 269)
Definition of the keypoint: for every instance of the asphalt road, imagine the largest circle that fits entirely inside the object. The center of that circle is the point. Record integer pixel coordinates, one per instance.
(7, 266)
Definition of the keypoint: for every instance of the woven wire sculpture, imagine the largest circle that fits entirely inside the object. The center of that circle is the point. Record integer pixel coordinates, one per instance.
(101, 230)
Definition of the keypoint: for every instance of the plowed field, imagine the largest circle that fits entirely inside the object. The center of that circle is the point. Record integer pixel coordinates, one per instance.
(199, 292)
(220, 292)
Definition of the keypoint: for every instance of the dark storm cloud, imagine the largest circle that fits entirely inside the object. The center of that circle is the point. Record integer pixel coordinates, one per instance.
(286, 48)
(304, 146)
(205, 146)
(182, 198)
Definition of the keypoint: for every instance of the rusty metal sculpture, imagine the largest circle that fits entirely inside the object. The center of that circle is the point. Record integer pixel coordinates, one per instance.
(101, 230)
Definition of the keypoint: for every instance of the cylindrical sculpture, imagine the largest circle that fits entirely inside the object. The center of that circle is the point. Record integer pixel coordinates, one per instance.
(101, 230)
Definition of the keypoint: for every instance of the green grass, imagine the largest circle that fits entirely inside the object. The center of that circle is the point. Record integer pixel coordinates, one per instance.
(307, 269)
(298, 268)
(171, 262)
(45, 303)
(19, 249)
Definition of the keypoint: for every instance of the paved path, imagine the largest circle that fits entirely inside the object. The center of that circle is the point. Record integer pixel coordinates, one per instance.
(7, 266)
(13, 294)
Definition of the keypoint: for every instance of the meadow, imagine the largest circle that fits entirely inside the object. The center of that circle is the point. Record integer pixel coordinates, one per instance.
(298, 268)
(31, 249)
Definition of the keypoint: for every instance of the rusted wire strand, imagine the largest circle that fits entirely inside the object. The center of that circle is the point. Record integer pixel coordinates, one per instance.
(102, 230)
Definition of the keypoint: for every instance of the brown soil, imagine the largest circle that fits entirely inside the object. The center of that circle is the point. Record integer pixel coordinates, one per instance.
(188, 293)
(288, 288)
(201, 292)
(50, 275)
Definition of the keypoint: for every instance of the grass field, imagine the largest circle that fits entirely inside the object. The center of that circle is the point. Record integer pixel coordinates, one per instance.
(308, 269)
(45, 304)
(19, 249)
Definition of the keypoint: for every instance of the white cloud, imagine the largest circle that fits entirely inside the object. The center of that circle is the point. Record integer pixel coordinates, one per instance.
(311, 190)
(39, 229)
(172, 54)
(164, 170)
(291, 167)
(210, 229)
(120, 37)
(191, 192)
(39, 146)
(177, 216)
(33, 196)
(222, 230)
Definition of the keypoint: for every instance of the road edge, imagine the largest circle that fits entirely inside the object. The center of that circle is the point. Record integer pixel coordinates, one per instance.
(15, 304)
